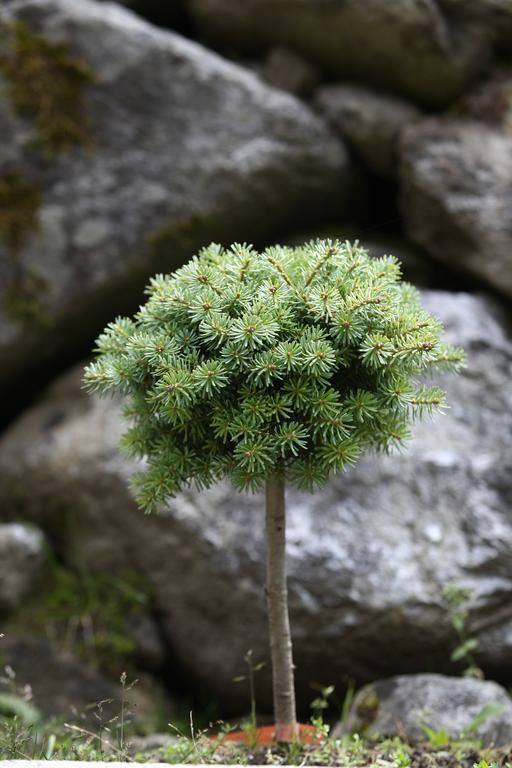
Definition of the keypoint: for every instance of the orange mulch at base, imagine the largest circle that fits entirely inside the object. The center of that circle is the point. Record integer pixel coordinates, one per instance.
(266, 735)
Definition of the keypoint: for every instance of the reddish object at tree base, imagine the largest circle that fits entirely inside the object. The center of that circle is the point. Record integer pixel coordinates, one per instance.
(271, 734)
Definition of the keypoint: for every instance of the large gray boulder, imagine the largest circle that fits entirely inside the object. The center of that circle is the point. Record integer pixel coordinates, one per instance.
(409, 46)
(457, 196)
(181, 147)
(404, 705)
(22, 561)
(368, 555)
(371, 122)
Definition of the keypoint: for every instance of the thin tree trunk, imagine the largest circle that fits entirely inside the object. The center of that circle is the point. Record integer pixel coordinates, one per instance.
(277, 609)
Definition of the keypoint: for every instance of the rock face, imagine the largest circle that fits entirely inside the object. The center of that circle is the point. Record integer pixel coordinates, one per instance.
(160, 173)
(22, 559)
(368, 555)
(370, 122)
(410, 47)
(400, 706)
(457, 199)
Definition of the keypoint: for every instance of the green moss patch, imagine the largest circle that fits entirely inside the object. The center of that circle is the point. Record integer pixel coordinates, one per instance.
(20, 199)
(24, 300)
(45, 82)
(88, 613)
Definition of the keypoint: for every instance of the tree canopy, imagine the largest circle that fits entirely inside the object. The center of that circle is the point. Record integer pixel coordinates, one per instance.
(292, 361)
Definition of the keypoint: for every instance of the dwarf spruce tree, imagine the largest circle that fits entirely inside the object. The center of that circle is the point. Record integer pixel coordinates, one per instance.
(266, 368)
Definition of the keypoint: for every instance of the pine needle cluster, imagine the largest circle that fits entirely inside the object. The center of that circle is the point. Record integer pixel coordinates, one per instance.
(293, 360)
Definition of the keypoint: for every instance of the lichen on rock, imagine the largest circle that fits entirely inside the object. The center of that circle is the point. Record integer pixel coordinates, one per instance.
(24, 300)
(45, 82)
(20, 199)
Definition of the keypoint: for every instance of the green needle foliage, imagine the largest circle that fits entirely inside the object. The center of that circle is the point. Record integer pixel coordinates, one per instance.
(294, 360)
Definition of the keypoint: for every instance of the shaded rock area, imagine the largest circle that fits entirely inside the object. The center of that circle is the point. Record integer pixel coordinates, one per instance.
(409, 47)
(371, 122)
(494, 15)
(22, 564)
(155, 175)
(457, 198)
(289, 71)
(404, 705)
(368, 555)
(60, 684)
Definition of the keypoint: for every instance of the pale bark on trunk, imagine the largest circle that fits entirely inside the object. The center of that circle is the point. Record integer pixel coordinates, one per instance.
(277, 608)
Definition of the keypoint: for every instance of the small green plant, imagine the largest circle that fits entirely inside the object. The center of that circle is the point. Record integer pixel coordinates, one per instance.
(457, 599)
(267, 368)
(15, 705)
(401, 755)
(24, 734)
(346, 705)
(198, 746)
(491, 764)
(469, 735)
(15, 700)
(319, 705)
(250, 727)
(488, 711)
(439, 738)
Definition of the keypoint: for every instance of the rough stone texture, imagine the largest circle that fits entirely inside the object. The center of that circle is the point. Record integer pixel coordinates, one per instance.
(368, 555)
(185, 148)
(22, 560)
(408, 45)
(400, 706)
(371, 122)
(457, 196)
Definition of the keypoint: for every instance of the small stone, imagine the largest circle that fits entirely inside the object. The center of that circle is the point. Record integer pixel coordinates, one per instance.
(404, 705)
(22, 560)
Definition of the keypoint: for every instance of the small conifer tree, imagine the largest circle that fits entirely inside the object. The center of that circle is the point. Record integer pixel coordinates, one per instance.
(285, 365)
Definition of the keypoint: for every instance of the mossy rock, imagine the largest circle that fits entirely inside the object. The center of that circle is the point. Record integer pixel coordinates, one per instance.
(20, 199)
(45, 83)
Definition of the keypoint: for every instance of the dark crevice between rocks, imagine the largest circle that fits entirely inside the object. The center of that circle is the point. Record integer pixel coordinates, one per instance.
(167, 15)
